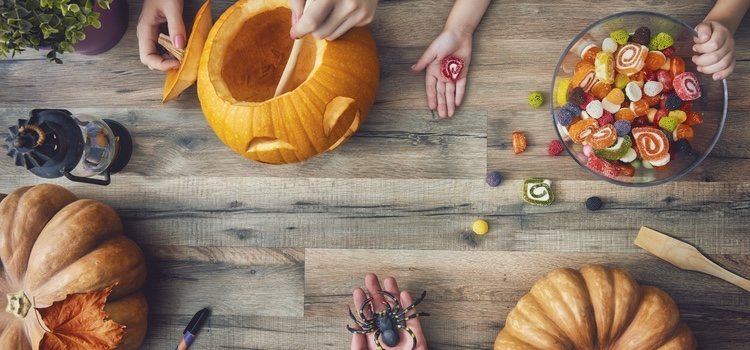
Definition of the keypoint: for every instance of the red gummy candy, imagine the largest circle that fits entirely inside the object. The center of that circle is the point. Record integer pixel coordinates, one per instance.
(651, 76)
(641, 121)
(451, 67)
(602, 166)
(668, 51)
(555, 147)
(587, 99)
(687, 86)
(661, 113)
(607, 118)
(687, 106)
(665, 78)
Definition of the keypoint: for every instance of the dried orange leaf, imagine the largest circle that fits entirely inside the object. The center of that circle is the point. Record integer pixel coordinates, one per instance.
(180, 79)
(79, 322)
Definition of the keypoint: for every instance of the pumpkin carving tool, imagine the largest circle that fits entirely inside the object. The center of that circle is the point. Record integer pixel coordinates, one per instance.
(684, 256)
(196, 323)
(291, 62)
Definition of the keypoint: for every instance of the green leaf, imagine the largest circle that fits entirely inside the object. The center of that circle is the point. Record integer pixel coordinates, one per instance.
(103, 3)
(95, 22)
(74, 8)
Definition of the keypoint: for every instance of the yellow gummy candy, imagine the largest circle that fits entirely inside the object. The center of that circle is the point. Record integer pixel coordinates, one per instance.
(604, 66)
(621, 80)
(561, 91)
(480, 227)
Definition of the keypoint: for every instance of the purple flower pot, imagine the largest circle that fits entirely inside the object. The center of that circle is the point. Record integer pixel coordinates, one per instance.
(114, 23)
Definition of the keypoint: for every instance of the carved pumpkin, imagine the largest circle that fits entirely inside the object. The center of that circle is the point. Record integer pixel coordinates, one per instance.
(594, 308)
(51, 245)
(330, 93)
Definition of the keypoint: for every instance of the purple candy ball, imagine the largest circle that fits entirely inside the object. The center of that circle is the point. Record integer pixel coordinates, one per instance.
(574, 108)
(622, 127)
(494, 178)
(564, 117)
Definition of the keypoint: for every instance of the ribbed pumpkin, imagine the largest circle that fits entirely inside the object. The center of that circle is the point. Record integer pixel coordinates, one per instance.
(330, 93)
(595, 308)
(51, 245)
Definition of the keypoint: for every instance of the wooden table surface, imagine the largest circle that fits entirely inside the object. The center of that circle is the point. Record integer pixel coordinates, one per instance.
(276, 251)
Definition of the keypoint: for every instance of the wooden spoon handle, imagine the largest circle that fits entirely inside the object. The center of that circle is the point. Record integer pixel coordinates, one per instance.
(291, 62)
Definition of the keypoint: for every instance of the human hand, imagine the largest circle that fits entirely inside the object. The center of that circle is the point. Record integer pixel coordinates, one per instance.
(153, 15)
(442, 93)
(367, 342)
(714, 47)
(330, 19)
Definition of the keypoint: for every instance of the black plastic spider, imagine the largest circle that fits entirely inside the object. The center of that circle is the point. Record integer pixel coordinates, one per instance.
(387, 323)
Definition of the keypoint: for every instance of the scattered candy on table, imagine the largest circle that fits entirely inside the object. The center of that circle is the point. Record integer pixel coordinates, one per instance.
(480, 227)
(594, 203)
(494, 178)
(536, 99)
(538, 191)
(628, 102)
(555, 147)
(519, 142)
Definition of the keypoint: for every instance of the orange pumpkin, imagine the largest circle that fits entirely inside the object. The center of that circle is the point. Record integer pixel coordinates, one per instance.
(596, 308)
(331, 91)
(51, 245)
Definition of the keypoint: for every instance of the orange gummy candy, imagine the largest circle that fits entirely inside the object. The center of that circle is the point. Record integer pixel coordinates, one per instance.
(590, 54)
(583, 65)
(604, 137)
(625, 169)
(655, 60)
(581, 130)
(601, 89)
(616, 96)
(683, 132)
(694, 118)
(639, 78)
(677, 66)
(584, 78)
(652, 100)
(625, 114)
(640, 107)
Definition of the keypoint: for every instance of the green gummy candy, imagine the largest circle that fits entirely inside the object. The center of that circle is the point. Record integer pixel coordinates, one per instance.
(620, 36)
(538, 191)
(661, 41)
(536, 99)
(669, 123)
(617, 151)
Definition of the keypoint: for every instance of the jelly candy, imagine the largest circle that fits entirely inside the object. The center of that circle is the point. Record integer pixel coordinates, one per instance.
(616, 151)
(583, 65)
(668, 51)
(604, 137)
(605, 67)
(555, 147)
(652, 88)
(633, 91)
(640, 107)
(581, 130)
(494, 178)
(538, 191)
(683, 132)
(519, 142)
(620, 36)
(652, 100)
(694, 118)
(680, 115)
(625, 169)
(665, 78)
(573, 108)
(584, 78)
(625, 114)
(601, 89)
(676, 66)
(536, 99)
(593, 203)
(480, 227)
(631, 58)
(641, 36)
(639, 78)
(602, 166)
(587, 99)
(609, 45)
(660, 113)
(588, 54)
(652, 144)
(607, 118)
(683, 146)
(673, 102)
(668, 123)
(629, 156)
(687, 106)
(622, 127)
(660, 41)
(687, 87)
(561, 91)
(621, 80)
(651, 76)
(640, 121)
(451, 67)
(588, 150)
(577, 95)
(595, 109)
(651, 114)
(616, 96)
(655, 60)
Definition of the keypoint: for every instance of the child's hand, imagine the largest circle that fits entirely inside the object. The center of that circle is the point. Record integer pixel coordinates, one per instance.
(443, 94)
(714, 47)
(330, 19)
(154, 14)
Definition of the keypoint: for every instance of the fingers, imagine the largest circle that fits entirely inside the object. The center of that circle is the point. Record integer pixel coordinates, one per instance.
(724, 73)
(428, 56)
(391, 287)
(431, 86)
(441, 107)
(312, 18)
(704, 32)
(718, 66)
(298, 7)
(342, 29)
(710, 58)
(414, 324)
(147, 38)
(175, 23)
(717, 40)
(359, 341)
(450, 98)
(460, 89)
(373, 289)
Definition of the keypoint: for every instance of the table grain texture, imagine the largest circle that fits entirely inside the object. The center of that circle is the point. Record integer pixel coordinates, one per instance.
(277, 250)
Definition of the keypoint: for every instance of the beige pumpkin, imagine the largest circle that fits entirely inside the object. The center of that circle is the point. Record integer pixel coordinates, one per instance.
(594, 308)
(331, 90)
(51, 245)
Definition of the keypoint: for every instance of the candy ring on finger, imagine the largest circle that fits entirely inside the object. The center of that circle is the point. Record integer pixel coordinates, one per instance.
(451, 67)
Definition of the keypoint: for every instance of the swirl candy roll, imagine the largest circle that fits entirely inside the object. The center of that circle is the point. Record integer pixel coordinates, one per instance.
(582, 129)
(585, 78)
(631, 58)
(604, 137)
(538, 191)
(604, 65)
(686, 86)
(652, 144)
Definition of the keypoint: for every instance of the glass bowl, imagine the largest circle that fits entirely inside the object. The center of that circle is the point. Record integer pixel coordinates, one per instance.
(712, 104)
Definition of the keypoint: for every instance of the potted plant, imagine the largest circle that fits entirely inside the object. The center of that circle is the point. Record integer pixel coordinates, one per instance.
(84, 26)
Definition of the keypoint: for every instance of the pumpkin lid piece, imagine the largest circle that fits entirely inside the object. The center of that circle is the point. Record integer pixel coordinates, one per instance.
(178, 80)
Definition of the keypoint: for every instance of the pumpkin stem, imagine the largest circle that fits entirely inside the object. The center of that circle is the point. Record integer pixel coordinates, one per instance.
(18, 304)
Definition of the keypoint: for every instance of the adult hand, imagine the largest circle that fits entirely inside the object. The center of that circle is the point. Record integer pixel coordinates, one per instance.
(367, 342)
(442, 93)
(154, 14)
(330, 19)
(714, 47)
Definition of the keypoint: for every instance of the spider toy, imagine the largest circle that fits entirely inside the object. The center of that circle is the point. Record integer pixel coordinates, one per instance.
(386, 324)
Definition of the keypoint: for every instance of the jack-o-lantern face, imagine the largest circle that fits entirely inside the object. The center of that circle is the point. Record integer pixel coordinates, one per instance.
(331, 90)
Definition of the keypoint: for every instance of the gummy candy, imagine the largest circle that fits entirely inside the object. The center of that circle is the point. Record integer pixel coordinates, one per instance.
(593, 203)
(652, 88)
(641, 36)
(668, 51)
(610, 107)
(660, 41)
(640, 121)
(694, 118)
(660, 113)
(561, 91)
(595, 109)
(616, 96)
(629, 156)
(654, 60)
(587, 99)
(683, 146)
(651, 114)
(536, 99)
(640, 107)
(687, 87)
(673, 102)
(538, 191)
(602, 166)
(639, 78)
(604, 137)
(609, 45)
(605, 67)
(577, 95)
(652, 144)
(625, 169)
(583, 65)
(607, 118)
(631, 58)
(601, 89)
(519, 142)
(621, 80)
(588, 150)
(622, 127)
(494, 178)
(480, 227)
(620, 36)
(665, 78)
(625, 114)
(676, 66)
(633, 91)
(555, 147)
(573, 108)
(581, 130)
(668, 123)
(451, 67)
(652, 100)
(616, 151)
(589, 53)
(564, 116)
(584, 78)
(687, 106)
(683, 132)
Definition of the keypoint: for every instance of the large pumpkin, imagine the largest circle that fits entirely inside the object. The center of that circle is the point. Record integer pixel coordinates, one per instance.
(330, 93)
(596, 308)
(51, 245)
